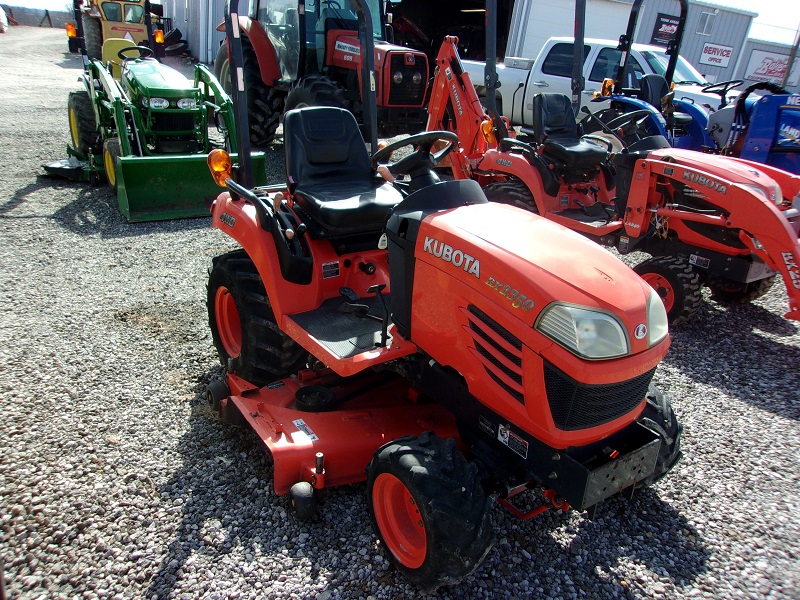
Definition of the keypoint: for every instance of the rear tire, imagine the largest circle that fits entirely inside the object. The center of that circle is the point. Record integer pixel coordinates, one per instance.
(428, 509)
(316, 90)
(676, 282)
(725, 290)
(243, 328)
(82, 124)
(660, 418)
(92, 36)
(513, 192)
(111, 154)
(264, 104)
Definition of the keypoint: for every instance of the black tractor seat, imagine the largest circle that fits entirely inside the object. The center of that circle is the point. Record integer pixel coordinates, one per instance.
(329, 174)
(556, 130)
(653, 88)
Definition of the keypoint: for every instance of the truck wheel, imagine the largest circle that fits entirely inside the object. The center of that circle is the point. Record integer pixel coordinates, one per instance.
(676, 282)
(428, 509)
(660, 418)
(243, 328)
(316, 90)
(725, 290)
(264, 104)
(92, 36)
(512, 191)
(111, 153)
(303, 500)
(82, 124)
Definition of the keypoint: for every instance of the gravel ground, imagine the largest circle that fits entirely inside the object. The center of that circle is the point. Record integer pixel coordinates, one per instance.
(117, 482)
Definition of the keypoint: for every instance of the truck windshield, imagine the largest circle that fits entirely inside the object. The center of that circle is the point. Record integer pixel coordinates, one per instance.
(684, 72)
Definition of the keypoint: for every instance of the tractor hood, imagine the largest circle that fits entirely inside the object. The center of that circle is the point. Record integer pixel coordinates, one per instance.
(154, 78)
(504, 251)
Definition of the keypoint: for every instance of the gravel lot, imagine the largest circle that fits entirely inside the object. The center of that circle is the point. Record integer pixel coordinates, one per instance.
(117, 482)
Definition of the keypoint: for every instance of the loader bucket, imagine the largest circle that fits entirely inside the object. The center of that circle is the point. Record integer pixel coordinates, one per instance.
(156, 188)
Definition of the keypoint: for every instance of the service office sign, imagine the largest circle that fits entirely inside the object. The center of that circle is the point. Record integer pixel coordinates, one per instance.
(716, 55)
(769, 66)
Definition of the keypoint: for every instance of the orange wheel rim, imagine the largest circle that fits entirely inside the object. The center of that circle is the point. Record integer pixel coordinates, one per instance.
(662, 287)
(399, 520)
(228, 323)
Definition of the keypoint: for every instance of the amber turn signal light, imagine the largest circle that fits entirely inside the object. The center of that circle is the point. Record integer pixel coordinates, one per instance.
(72, 31)
(220, 165)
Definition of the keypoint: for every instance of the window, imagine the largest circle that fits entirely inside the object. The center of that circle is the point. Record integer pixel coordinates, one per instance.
(559, 60)
(706, 23)
(113, 11)
(607, 64)
(134, 14)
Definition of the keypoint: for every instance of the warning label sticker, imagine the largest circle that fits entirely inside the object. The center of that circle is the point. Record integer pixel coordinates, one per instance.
(301, 426)
(512, 440)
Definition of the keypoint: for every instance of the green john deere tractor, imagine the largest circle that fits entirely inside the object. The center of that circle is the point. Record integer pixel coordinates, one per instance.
(147, 129)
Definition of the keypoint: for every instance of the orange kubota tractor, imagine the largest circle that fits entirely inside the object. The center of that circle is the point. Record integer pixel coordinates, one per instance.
(307, 53)
(726, 223)
(446, 349)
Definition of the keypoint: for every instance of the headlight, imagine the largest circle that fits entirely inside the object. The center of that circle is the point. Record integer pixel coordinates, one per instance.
(397, 77)
(417, 78)
(770, 192)
(584, 331)
(187, 103)
(159, 103)
(657, 322)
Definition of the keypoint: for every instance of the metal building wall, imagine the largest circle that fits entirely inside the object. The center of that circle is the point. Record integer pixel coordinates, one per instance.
(729, 29)
(197, 21)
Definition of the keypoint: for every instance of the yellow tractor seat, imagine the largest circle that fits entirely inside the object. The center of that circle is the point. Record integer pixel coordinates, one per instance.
(110, 59)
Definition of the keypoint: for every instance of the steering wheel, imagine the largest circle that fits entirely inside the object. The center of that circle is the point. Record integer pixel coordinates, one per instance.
(741, 109)
(422, 160)
(332, 4)
(143, 52)
(625, 119)
(721, 89)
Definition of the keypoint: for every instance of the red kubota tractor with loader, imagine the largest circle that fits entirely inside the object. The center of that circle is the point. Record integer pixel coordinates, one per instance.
(448, 350)
(307, 53)
(726, 223)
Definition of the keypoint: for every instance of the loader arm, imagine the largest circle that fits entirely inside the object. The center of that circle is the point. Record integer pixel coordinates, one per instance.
(758, 222)
(222, 104)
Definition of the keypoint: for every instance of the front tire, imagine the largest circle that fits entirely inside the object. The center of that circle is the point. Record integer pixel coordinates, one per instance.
(243, 327)
(676, 282)
(512, 191)
(111, 154)
(264, 104)
(659, 416)
(725, 290)
(429, 510)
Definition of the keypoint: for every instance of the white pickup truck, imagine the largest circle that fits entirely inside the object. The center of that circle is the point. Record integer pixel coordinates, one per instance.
(551, 72)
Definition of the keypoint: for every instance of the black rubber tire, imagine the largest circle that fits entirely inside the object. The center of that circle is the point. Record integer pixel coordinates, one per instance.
(92, 36)
(222, 69)
(316, 90)
(303, 500)
(680, 279)
(513, 192)
(264, 104)
(112, 150)
(266, 353)
(82, 123)
(724, 290)
(452, 506)
(659, 416)
(216, 392)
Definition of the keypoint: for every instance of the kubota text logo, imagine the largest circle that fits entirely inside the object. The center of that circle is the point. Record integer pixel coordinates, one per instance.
(702, 180)
(455, 257)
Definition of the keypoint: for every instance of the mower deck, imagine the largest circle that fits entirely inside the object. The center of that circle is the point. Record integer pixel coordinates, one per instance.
(363, 413)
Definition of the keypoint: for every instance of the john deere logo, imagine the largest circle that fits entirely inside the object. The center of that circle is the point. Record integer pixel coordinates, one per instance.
(640, 331)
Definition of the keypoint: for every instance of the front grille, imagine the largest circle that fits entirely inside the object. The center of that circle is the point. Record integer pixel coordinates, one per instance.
(173, 121)
(501, 362)
(407, 93)
(576, 405)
